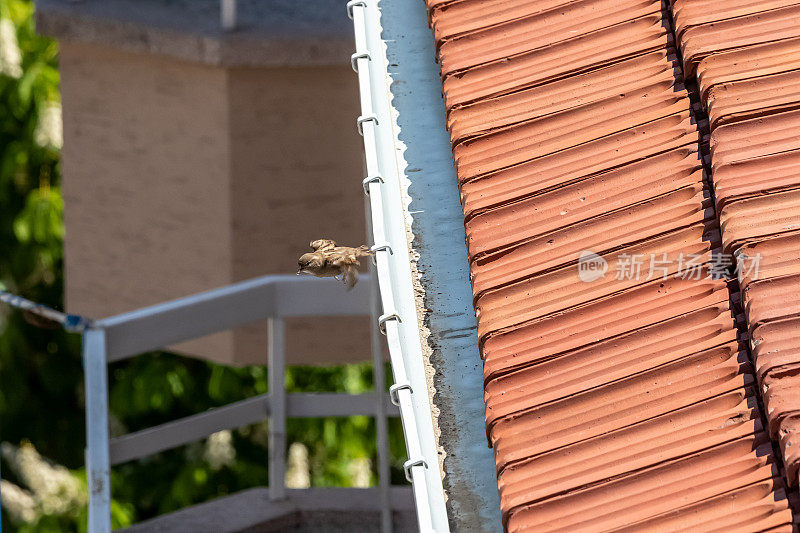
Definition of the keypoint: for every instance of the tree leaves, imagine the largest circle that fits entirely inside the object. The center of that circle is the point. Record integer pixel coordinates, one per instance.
(42, 219)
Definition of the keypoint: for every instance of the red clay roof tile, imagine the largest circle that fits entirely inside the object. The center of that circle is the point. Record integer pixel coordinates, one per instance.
(562, 289)
(567, 93)
(749, 62)
(699, 41)
(644, 444)
(451, 18)
(781, 392)
(689, 13)
(619, 404)
(757, 176)
(625, 402)
(653, 491)
(755, 137)
(571, 164)
(606, 361)
(584, 199)
(790, 446)
(771, 299)
(653, 302)
(556, 61)
(552, 133)
(759, 216)
(777, 256)
(743, 99)
(608, 232)
(759, 507)
(751, 93)
(538, 30)
(775, 346)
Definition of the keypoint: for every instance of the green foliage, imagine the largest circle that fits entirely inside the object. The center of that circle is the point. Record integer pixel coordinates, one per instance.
(41, 391)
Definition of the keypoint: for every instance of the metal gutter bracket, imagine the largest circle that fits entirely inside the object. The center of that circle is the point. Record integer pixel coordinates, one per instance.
(399, 321)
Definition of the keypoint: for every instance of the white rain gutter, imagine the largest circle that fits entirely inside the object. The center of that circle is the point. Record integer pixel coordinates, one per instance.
(399, 319)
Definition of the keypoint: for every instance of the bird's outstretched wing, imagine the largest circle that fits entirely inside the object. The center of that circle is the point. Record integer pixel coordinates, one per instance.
(322, 245)
(328, 259)
(345, 260)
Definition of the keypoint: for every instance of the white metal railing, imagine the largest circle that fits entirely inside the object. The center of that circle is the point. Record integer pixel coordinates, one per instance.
(399, 318)
(227, 14)
(270, 297)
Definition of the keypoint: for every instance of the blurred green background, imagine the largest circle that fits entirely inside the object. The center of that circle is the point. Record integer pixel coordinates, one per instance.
(41, 380)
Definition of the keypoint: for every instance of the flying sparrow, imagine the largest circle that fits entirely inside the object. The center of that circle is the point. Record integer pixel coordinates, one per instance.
(329, 260)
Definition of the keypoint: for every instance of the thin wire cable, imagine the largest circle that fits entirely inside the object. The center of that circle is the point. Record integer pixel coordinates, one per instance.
(71, 323)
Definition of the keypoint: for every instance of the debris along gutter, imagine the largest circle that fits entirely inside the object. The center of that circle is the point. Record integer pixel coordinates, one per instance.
(399, 320)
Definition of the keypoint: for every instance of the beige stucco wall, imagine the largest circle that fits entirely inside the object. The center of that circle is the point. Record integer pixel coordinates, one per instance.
(180, 178)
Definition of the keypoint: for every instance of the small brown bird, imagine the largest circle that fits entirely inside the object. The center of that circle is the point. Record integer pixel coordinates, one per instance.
(331, 261)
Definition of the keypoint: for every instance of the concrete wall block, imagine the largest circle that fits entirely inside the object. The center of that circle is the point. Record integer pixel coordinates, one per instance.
(181, 177)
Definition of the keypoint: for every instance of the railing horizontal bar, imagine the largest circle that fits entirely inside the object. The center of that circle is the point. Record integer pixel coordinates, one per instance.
(242, 303)
(251, 411)
(315, 405)
(189, 429)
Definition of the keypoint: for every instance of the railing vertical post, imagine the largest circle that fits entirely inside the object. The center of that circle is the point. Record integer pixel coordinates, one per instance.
(227, 14)
(379, 378)
(277, 419)
(97, 462)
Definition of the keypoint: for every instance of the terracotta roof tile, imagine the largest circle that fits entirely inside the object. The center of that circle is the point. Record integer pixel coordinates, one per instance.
(757, 176)
(775, 346)
(619, 404)
(625, 402)
(603, 362)
(694, 12)
(749, 62)
(790, 446)
(539, 30)
(558, 60)
(781, 396)
(584, 199)
(759, 507)
(759, 216)
(653, 302)
(641, 445)
(772, 298)
(670, 486)
(778, 256)
(610, 231)
(748, 78)
(542, 136)
(755, 137)
(699, 41)
(616, 79)
(451, 18)
(562, 289)
(562, 167)
(739, 100)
